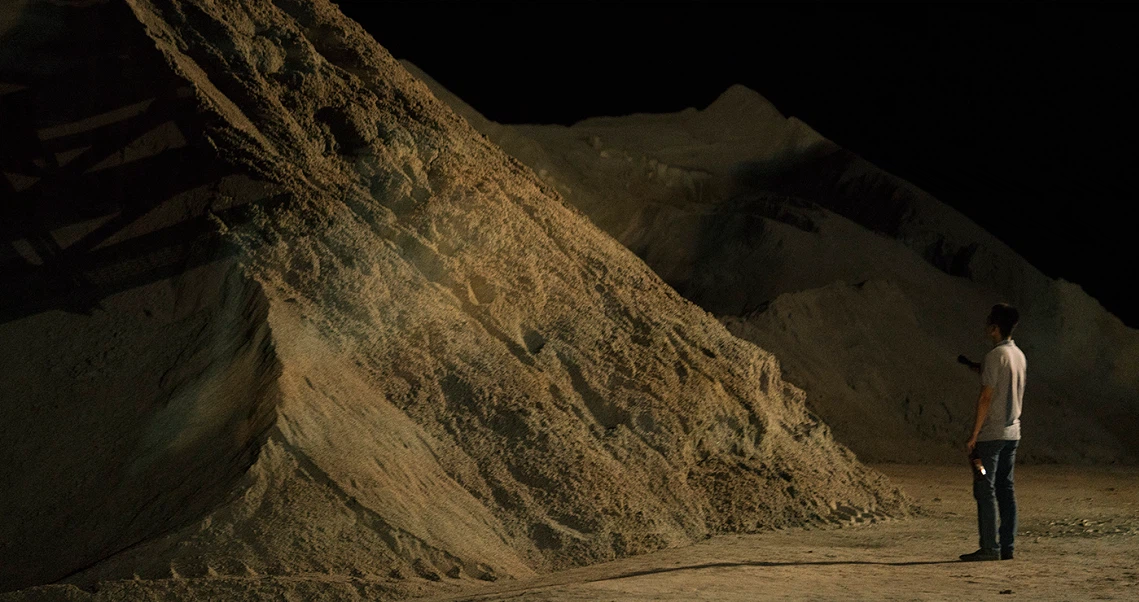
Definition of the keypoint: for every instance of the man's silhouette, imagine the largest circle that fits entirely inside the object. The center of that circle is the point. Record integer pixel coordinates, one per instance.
(996, 433)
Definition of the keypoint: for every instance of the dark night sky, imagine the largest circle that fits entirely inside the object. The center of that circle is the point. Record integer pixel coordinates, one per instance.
(1022, 117)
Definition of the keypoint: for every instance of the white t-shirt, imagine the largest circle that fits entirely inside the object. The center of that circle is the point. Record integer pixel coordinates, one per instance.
(1004, 371)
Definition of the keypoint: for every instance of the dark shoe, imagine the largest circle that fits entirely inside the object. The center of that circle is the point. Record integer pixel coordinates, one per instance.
(1006, 554)
(980, 555)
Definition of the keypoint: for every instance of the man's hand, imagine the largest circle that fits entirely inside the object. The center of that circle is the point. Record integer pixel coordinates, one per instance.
(974, 366)
(971, 444)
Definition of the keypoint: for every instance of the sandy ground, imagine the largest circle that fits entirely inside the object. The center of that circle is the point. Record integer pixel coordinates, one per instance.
(1079, 534)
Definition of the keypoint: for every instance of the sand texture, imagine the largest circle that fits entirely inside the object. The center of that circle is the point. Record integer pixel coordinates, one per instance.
(865, 287)
(1079, 530)
(1077, 540)
(286, 325)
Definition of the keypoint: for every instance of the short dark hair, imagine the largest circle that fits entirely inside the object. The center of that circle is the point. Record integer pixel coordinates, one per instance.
(1004, 317)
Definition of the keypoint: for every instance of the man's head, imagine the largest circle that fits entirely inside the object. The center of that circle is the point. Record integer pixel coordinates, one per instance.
(1002, 319)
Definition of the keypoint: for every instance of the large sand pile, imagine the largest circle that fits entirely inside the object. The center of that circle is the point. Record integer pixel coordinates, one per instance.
(284, 324)
(865, 287)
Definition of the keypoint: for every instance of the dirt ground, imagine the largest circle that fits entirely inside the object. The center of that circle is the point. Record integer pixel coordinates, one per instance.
(1079, 540)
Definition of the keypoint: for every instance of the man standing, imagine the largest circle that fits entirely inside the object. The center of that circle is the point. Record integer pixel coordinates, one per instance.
(996, 433)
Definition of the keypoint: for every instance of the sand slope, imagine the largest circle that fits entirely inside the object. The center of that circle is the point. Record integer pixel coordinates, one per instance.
(288, 325)
(864, 286)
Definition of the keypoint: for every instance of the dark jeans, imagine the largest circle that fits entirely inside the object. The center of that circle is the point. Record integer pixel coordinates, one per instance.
(994, 490)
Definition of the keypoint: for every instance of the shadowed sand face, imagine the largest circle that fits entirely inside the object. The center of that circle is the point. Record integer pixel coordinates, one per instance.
(10, 15)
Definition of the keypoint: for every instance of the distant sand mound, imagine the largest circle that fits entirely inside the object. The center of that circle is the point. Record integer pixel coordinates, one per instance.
(864, 286)
(288, 326)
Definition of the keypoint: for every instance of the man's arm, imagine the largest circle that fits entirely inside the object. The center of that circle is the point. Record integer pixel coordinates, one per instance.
(984, 401)
(974, 366)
